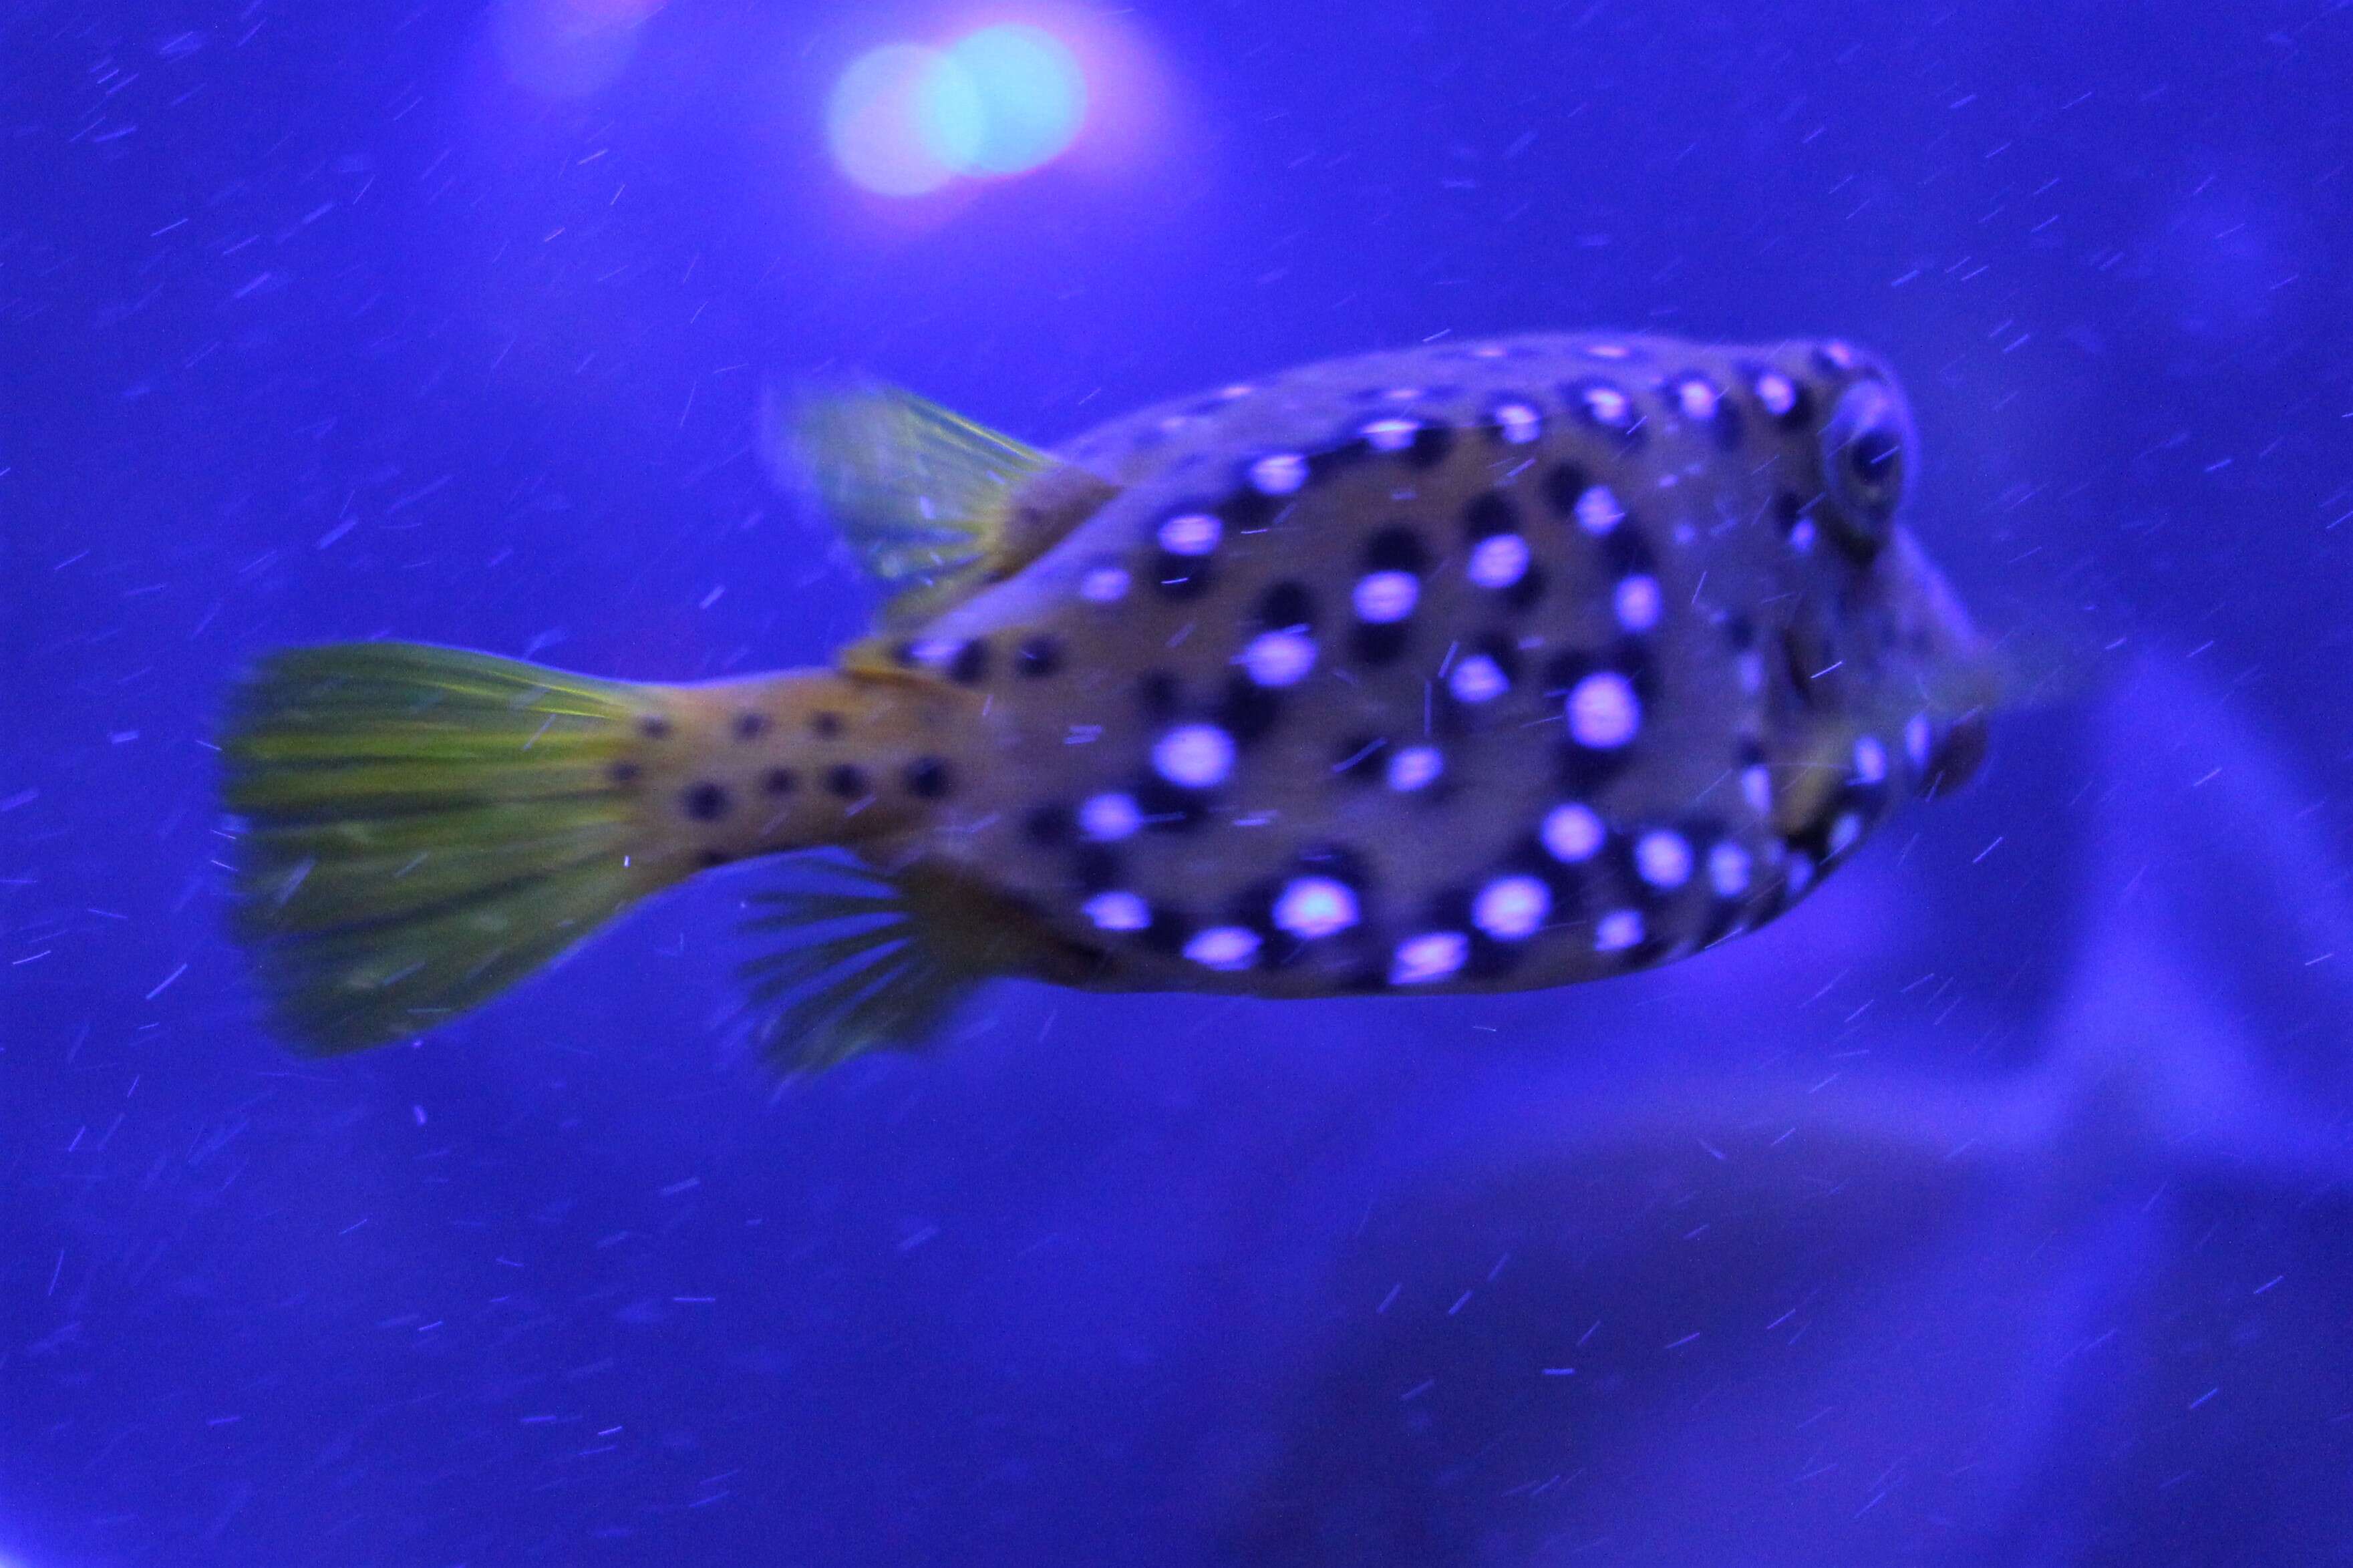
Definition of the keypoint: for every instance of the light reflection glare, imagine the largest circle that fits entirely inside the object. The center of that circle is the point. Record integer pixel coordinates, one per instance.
(905, 120)
(1033, 93)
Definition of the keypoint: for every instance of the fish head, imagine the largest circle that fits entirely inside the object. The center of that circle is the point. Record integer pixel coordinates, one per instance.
(1918, 663)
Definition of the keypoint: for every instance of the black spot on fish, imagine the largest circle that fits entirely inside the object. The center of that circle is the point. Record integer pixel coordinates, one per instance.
(1181, 576)
(968, 666)
(1248, 710)
(780, 781)
(1523, 594)
(1397, 548)
(1170, 808)
(1562, 484)
(1331, 460)
(927, 778)
(704, 802)
(749, 726)
(1253, 910)
(1583, 770)
(1625, 552)
(1038, 656)
(1490, 513)
(1430, 445)
(1168, 931)
(846, 782)
(711, 858)
(1158, 692)
(1050, 825)
(1247, 511)
(622, 774)
(653, 727)
(1787, 508)
(824, 726)
(1286, 604)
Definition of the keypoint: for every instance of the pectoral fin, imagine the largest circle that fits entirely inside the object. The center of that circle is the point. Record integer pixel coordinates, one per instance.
(933, 505)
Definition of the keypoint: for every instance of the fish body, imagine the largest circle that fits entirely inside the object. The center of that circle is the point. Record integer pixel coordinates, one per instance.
(1486, 666)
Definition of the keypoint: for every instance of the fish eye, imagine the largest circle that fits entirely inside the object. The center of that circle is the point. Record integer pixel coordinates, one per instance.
(1866, 450)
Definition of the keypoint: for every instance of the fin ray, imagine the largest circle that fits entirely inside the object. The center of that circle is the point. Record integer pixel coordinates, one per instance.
(422, 828)
(931, 503)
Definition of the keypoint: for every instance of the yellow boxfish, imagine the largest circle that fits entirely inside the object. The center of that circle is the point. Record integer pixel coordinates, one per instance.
(1467, 668)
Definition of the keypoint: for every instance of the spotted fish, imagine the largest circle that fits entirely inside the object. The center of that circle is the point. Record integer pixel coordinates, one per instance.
(1471, 667)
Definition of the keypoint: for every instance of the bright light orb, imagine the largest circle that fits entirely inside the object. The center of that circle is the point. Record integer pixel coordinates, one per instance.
(1033, 92)
(904, 120)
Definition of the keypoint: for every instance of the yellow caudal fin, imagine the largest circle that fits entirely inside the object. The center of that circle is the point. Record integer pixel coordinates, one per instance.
(423, 827)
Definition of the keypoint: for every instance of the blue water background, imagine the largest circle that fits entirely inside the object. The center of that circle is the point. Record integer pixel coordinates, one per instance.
(1991, 1210)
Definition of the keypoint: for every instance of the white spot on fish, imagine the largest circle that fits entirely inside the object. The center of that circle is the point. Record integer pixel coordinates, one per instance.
(1572, 833)
(1919, 739)
(1844, 831)
(1280, 658)
(1278, 475)
(1382, 598)
(1104, 585)
(1195, 756)
(1393, 433)
(1433, 955)
(1728, 871)
(1617, 931)
(1610, 406)
(1696, 398)
(1223, 947)
(1315, 907)
(1517, 422)
(1415, 767)
(1662, 859)
(1598, 511)
(1777, 393)
(1191, 533)
(1603, 711)
(1499, 561)
(1638, 601)
(1511, 909)
(1756, 788)
(1118, 912)
(1478, 680)
(1869, 760)
(1107, 818)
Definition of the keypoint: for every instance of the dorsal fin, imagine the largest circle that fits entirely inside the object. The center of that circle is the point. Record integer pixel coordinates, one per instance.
(933, 505)
(875, 960)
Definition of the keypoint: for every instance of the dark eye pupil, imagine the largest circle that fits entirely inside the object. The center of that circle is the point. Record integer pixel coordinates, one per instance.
(1872, 455)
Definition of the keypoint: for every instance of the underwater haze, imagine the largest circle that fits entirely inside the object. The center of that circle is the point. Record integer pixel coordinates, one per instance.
(1994, 1208)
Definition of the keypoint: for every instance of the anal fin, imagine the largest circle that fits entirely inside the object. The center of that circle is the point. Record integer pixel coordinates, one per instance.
(877, 959)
